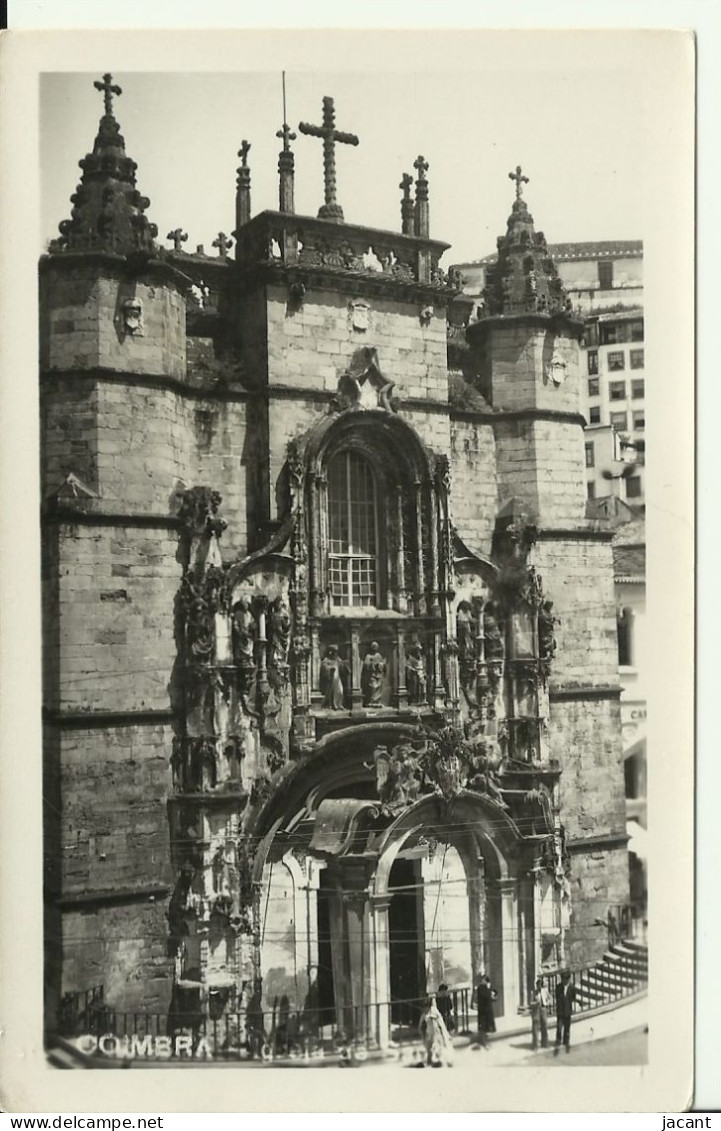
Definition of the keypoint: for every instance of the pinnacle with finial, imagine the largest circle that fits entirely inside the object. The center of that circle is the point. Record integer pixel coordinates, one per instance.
(109, 89)
(520, 180)
(405, 185)
(243, 152)
(223, 244)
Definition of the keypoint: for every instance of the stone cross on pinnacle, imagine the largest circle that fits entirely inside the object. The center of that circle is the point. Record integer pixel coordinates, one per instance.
(179, 237)
(244, 151)
(421, 166)
(331, 210)
(223, 244)
(109, 89)
(520, 180)
(288, 136)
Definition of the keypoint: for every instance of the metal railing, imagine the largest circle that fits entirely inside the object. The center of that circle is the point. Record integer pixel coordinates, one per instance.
(251, 1034)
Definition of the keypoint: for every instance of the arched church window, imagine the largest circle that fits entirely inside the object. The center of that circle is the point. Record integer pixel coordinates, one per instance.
(353, 531)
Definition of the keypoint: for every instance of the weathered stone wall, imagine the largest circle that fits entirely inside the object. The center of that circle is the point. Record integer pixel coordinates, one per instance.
(598, 878)
(515, 363)
(578, 577)
(542, 463)
(124, 948)
(312, 346)
(115, 784)
(116, 607)
(473, 478)
(82, 322)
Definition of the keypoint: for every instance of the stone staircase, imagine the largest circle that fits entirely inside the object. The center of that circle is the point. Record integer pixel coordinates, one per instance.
(622, 971)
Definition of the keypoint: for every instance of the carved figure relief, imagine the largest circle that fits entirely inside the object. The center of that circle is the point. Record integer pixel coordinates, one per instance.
(132, 317)
(556, 369)
(280, 630)
(373, 677)
(465, 634)
(398, 774)
(492, 635)
(416, 678)
(333, 670)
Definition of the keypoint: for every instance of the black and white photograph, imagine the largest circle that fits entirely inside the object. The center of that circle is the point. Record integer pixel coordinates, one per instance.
(346, 398)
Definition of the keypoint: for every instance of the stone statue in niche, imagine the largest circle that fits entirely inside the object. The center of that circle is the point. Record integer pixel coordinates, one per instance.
(493, 636)
(243, 635)
(398, 775)
(373, 677)
(546, 639)
(465, 634)
(132, 317)
(280, 627)
(221, 874)
(416, 679)
(332, 671)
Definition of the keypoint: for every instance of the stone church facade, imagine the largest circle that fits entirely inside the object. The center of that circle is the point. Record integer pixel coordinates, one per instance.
(330, 680)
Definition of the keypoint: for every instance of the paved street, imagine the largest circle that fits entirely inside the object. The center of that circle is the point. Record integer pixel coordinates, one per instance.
(622, 1048)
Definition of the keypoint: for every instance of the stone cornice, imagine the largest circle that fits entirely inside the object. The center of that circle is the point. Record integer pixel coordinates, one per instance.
(146, 381)
(83, 512)
(134, 265)
(594, 843)
(573, 534)
(93, 720)
(146, 892)
(494, 416)
(559, 694)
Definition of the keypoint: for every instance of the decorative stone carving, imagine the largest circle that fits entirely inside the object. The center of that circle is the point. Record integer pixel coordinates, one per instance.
(359, 314)
(280, 631)
(132, 317)
(425, 315)
(373, 676)
(556, 369)
(243, 636)
(199, 512)
(465, 634)
(398, 775)
(363, 385)
(330, 210)
(546, 638)
(332, 672)
(416, 678)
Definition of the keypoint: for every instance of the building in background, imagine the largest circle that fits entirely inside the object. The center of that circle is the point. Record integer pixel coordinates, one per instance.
(604, 281)
(330, 674)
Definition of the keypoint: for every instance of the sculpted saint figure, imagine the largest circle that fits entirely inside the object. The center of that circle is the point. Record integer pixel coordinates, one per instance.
(464, 633)
(374, 670)
(332, 669)
(416, 681)
(280, 625)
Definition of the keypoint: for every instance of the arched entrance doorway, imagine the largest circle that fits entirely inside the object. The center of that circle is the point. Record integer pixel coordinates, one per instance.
(389, 902)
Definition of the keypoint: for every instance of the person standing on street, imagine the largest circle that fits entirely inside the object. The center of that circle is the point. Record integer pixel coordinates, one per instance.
(540, 1004)
(485, 996)
(565, 997)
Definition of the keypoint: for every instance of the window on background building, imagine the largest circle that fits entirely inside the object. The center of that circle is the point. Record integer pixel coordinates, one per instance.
(608, 333)
(352, 531)
(640, 447)
(592, 356)
(593, 387)
(639, 420)
(591, 490)
(633, 487)
(605, 275)
(616, 360)
(619, 421)
(617, 390)
(594, 414)
(638, 388)
(636, 357)
(590, 334)
(590, 460)
(624, 628)
(636, 330)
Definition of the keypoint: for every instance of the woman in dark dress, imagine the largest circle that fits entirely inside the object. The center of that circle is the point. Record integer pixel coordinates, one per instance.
(485, 996)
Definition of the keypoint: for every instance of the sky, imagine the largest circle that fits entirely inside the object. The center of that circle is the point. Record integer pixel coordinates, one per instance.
(579, 122)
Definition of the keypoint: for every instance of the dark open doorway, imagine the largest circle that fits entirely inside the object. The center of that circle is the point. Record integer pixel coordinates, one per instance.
(406, 944)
